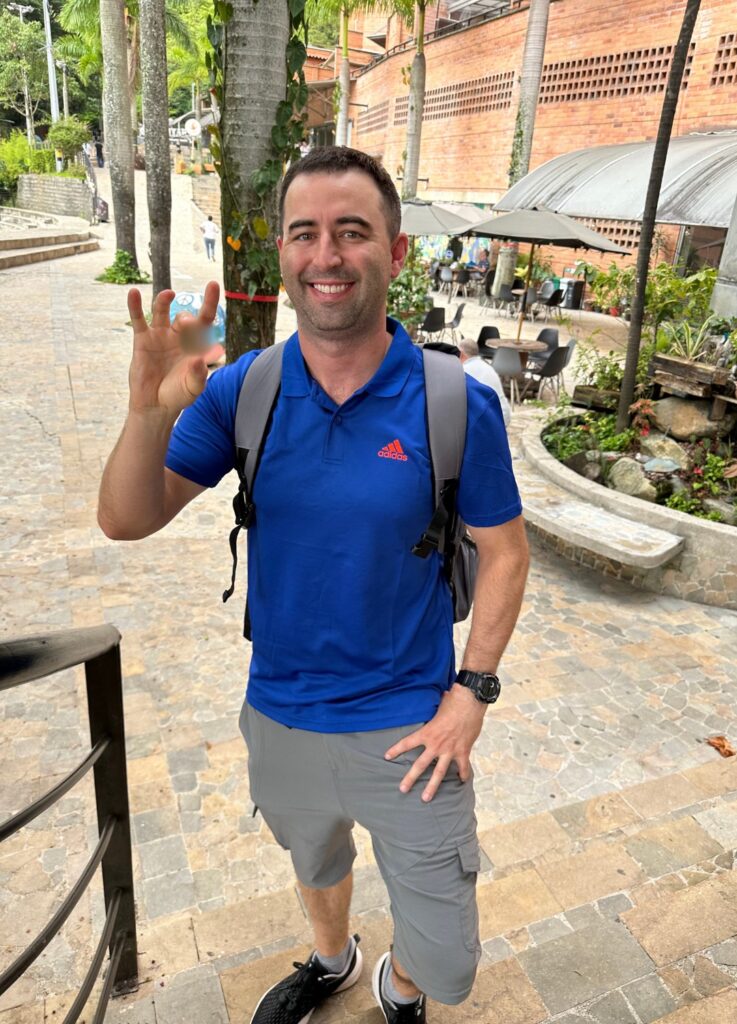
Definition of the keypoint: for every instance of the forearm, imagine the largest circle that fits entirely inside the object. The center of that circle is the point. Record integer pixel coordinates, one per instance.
(500, 586)
(132, 501)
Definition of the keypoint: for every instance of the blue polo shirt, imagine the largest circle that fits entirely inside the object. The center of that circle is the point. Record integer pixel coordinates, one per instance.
(351, 631)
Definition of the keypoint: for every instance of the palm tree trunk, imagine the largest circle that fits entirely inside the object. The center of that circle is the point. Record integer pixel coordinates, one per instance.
(660, 154)
(254, 83)
(341, 129)
(156, 134)
(415, 109)
(117, 117)
(133, 76)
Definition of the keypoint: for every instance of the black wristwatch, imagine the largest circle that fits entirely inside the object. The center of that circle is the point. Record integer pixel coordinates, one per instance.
(483, 685)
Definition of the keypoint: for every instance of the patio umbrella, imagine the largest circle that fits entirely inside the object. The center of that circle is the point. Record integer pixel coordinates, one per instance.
(420, 217)
(539, 226)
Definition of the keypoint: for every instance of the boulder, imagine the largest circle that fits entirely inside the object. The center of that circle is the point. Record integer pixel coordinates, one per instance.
(658, 446)
(661, 466)
(628, 476)
(684, 418)
(724, 508)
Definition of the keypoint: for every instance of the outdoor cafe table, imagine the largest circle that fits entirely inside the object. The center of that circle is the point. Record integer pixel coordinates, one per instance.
(524, 346)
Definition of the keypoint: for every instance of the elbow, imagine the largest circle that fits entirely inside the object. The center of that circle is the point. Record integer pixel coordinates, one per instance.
(114, 530)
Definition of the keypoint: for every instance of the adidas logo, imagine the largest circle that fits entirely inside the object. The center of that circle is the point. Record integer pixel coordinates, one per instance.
(392, 451)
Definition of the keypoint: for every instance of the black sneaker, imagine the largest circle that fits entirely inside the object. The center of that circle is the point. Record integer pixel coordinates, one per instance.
(293, 1000)
(406, 1013)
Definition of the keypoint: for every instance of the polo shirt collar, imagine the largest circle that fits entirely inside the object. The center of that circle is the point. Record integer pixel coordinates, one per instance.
(388, 381)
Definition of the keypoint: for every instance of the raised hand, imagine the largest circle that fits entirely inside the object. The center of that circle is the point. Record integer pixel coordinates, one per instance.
(168, 370)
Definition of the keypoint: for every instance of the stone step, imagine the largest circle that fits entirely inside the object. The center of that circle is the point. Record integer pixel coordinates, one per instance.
(33, 240)
(22, 257)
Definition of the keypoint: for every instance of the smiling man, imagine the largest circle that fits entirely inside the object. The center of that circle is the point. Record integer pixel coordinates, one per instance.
(354, 710)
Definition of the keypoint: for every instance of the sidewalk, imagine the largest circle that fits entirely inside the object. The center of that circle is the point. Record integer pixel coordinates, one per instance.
(608, 826)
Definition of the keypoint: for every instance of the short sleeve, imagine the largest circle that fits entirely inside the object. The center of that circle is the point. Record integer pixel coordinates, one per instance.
(201, 447)
(488, 494)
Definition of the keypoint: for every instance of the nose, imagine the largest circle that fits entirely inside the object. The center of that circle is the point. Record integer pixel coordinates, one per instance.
(327, 252)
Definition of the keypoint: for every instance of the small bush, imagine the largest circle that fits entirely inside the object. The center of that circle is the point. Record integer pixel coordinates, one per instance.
(124, 271)
(69, 135)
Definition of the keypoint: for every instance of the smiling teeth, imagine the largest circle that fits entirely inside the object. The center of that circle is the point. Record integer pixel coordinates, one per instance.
(330, 289)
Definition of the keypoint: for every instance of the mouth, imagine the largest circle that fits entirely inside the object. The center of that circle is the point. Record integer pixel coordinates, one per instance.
(330, 289)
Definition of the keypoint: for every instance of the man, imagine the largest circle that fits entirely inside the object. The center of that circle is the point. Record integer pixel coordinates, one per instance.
(209, 231)
(484, 372)
(352, 711)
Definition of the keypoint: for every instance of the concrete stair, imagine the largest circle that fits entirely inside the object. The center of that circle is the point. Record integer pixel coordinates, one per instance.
(35, 247)
(621, 909)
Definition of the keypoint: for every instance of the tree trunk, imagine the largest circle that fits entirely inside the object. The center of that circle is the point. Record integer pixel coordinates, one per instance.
(254, 83)
(156, 135)
(529, 89)
(28, 110)
(414, 110)
(341, 128)
(650, 209)
(134, 60)
(117, 117)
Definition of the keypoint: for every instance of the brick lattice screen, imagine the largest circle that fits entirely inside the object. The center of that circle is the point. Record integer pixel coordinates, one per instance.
(474, 96)
(724, 71)
(609, 76)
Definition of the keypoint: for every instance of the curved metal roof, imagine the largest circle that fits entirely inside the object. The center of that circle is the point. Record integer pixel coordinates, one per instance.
(610, 182)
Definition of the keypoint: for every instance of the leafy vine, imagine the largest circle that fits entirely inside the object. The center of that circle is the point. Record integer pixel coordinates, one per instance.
(248, 229)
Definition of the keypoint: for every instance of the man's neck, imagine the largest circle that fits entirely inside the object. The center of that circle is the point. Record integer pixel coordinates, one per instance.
(342, 367)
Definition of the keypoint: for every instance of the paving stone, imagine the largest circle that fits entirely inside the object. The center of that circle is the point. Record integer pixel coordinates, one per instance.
(672, 846)
(613, 906)
(651, 799)
(195, 996)
(495, 950)
(725, 953)
(168, 894)
(511, 902)
(721, 824)
(588, 963)
(544, 931)
(157, 824)
(650, 998)
(612, 1009)
(141, 1012)
(602, 869)
(718, 1009)
(166, 948)
(584, 916)
(163, 856)
(523, 840)
(253, 922)
(716, 777)
(682, 922)
(595, 817)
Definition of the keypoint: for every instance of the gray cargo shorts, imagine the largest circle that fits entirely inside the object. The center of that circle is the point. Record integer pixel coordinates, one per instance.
(312, 787)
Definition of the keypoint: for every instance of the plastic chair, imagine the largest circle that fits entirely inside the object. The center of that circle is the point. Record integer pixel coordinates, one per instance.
(455, 323)
(446, 279)
(550, 336)
(508, 364)
(434, 322)
(462, 280)
(507, 300)
(531, 309)
(549, 374)
(553, 302)
(486, 351)
(546, 290)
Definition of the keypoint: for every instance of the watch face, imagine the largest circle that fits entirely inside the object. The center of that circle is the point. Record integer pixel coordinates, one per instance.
(489, 688)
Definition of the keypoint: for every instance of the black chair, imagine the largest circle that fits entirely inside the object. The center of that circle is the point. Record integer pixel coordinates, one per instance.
(434, 322)
(508, 365)
(455, 323)
(486, 351)
(462, 280)
(553, 302)
(548, 375)
(550, 336)
(507, 299)
(486, 298)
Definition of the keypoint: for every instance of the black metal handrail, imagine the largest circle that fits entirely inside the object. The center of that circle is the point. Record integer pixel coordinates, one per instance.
(23, 661)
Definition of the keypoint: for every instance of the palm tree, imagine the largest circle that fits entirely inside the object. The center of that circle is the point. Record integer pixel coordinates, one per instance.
(117, 122)
(650, 209)
(416, 100)
(156, 129)
(254, 83)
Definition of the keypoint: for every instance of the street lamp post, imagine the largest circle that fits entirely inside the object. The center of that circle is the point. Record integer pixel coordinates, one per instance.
(53, 91)
(62, 64)
(20, 10)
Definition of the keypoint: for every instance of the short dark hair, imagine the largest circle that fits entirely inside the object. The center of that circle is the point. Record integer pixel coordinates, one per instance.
(337, 160)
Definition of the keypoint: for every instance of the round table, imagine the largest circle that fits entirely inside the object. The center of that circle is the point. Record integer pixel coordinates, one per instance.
(524, 346)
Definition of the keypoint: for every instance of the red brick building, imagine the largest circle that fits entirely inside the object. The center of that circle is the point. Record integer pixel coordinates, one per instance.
(605, 70)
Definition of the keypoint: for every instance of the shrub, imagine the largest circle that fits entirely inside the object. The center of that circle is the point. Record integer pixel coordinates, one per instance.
(69, 135)
(408, 295)
(17, 157)
(123, 271)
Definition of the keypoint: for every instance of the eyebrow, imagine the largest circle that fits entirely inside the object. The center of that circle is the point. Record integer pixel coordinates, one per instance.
(348, 219)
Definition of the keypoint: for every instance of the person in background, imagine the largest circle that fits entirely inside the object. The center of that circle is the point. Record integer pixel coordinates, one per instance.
(483, 372)
(482, 263)
(210, 232)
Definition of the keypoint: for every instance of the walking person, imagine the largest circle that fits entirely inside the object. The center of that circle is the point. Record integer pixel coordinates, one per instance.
(353, 710)
(210, 231)
(98, 151)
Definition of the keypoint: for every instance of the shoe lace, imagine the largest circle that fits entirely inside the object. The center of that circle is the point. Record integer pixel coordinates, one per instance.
(308, 977)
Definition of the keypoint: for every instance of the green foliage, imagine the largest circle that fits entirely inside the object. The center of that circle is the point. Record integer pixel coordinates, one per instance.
(568, 436)
(408, 295)
(69, 135)
(605, 437)
(17, 157)
(324, 27)
(613, 288)
(22, 58)
(604, 372)
(123, 271)
(683, 340)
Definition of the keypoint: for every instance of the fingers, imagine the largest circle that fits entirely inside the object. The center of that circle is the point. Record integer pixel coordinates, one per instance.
(160, 310)
(436, 778)
(196, 377)
(422, 763)
(135, 310)
(406, 743)
(209, 308)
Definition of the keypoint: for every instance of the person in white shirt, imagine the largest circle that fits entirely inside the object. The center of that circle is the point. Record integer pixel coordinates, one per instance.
(210, 232)
(484, 372)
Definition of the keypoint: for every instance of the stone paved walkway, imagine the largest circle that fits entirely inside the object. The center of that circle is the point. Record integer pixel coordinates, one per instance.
(608, 825)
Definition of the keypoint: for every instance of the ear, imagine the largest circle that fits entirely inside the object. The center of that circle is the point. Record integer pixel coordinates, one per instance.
(280, 243)
(399, 249)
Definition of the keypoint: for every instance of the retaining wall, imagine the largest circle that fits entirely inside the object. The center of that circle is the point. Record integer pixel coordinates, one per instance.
(68, 197)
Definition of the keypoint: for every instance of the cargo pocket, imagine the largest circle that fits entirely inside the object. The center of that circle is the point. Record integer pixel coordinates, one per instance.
(470, 858)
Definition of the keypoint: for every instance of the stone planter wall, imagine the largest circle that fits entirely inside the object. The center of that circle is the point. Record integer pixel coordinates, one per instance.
(67, 197)
(706, 569)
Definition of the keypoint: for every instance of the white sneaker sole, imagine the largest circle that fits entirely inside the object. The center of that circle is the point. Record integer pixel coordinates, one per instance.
(376, 983)
(349, 981)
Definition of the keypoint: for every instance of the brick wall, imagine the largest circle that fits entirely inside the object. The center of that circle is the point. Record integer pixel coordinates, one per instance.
(67, 197)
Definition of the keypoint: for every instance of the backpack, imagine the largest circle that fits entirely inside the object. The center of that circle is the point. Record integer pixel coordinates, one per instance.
(446, 403)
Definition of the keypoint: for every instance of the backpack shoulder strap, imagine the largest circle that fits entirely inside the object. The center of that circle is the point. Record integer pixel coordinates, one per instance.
(447, 407)
(447, 411)
(256, 400)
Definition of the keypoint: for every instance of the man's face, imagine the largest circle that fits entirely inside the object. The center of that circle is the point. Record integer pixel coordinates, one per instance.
(337, 258)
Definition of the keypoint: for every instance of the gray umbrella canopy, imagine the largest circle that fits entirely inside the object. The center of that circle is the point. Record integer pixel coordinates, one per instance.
(420, 217)
(541, 227)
